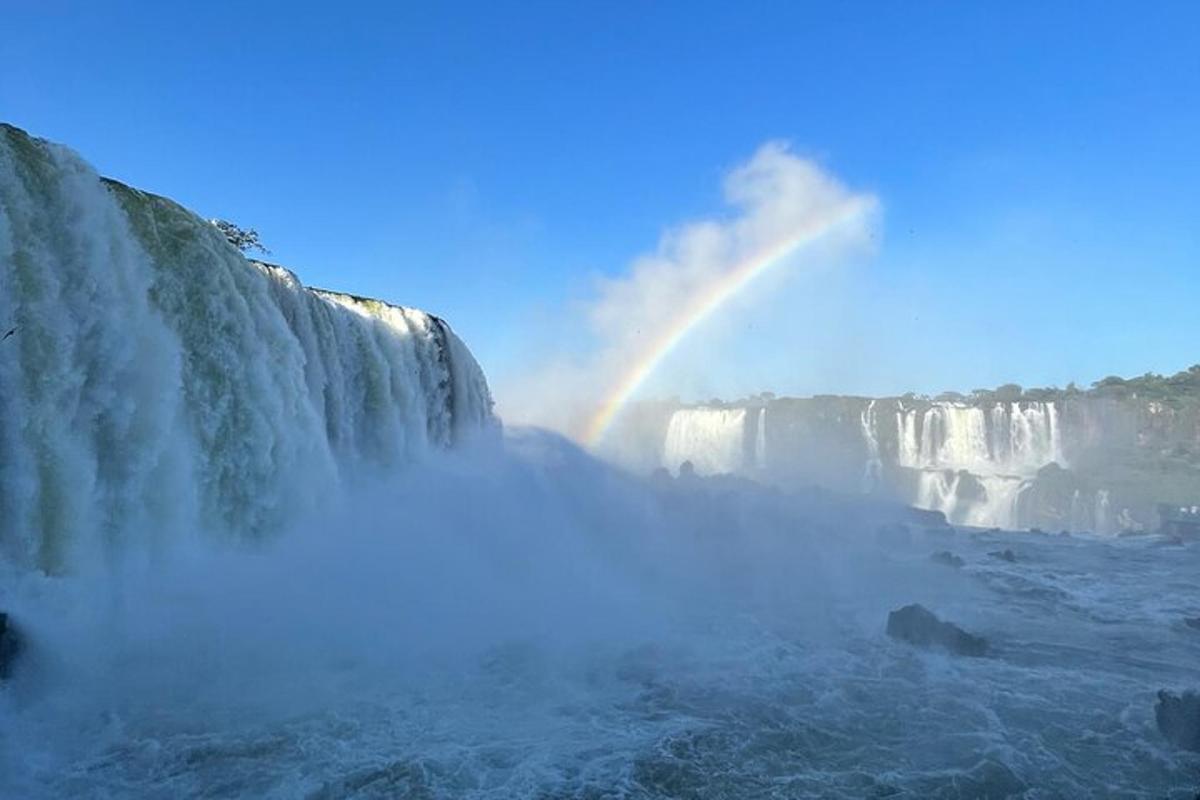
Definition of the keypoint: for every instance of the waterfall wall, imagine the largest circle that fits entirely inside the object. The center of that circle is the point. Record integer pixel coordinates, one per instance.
(157, 383)
(1070, 461)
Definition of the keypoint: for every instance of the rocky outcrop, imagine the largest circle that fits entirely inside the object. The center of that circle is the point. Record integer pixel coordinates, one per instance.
(10, 646)
(1178, 718)
(918, 625)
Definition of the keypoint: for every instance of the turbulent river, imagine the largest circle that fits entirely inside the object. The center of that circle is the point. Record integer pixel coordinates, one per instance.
(523, 622)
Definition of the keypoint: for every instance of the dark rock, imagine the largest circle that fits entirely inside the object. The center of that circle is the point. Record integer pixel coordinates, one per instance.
(1192, 622)
(923, 516)
(947, 558)
(969, 488)
(1004, 555)
(918, 625)
(10, 646)
(1178, 718)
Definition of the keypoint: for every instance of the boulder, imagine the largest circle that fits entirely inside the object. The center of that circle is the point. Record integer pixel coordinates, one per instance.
(10, 646)
(918, 625)
(1178, 718)
(947, 558)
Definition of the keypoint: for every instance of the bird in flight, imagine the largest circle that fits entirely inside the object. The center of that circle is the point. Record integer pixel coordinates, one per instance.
(10, 333)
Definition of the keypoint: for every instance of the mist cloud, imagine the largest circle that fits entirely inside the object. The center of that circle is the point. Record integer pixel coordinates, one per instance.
(769, 197)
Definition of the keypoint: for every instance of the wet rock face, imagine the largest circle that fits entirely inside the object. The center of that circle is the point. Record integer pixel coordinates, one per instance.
(918, 625)
(1178, 718)
(10, 646)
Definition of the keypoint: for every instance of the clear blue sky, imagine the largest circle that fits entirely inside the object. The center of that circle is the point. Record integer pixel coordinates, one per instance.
(1037, 163)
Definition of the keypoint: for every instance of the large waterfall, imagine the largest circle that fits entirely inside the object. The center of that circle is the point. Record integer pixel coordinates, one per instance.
(873, 471)
(1012, 438)
(157, 382)
(760, 440)
(712, 439)
(998, 450)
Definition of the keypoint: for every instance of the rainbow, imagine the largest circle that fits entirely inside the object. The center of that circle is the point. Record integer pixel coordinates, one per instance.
(706, 302)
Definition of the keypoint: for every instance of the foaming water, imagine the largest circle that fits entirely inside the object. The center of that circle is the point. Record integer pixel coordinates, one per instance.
(524, 622)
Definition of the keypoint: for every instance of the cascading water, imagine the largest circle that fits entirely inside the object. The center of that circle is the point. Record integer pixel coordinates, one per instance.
(1103, 512)
(760, 440)
(873, 471)
(908, 447)
(712, 439)
(1014, 438)
(157, 382)
(1002, 449)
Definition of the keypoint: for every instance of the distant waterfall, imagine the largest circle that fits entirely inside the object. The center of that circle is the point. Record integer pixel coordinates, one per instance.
(760, 440)
(159, 384)
(909, 447)
(1013, 438)
(1002, 448)
(712, 439)
(992, 503)
(1092, 512)
(1103, 512)
(873, 471)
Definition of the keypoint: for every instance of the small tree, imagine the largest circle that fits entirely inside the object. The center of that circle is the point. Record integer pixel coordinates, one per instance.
(240, 238)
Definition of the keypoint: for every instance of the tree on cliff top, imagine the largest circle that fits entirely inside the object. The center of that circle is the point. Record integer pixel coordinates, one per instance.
(240, 238)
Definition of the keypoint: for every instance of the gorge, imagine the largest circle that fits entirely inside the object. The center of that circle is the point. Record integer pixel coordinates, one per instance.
(1111, 459)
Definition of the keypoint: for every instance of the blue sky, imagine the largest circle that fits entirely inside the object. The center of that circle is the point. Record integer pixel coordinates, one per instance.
(1036, 166)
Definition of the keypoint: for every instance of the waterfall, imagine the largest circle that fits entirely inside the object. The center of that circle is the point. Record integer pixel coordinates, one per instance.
(954, 437)
(908, 450)
(760, 440)
(937, 490)
(1033, 437)
(873, 470)
(1001, 502)
(1011, 438)
(942, 490)
(1002, 447)
(1103, 512)
(713, 439)
(159, 383)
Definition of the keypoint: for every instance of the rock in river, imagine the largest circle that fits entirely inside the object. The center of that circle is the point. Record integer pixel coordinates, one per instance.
(918, 625)
(1178, 717)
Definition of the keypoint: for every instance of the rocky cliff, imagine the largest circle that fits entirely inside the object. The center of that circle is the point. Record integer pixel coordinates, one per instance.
(1101, 459)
